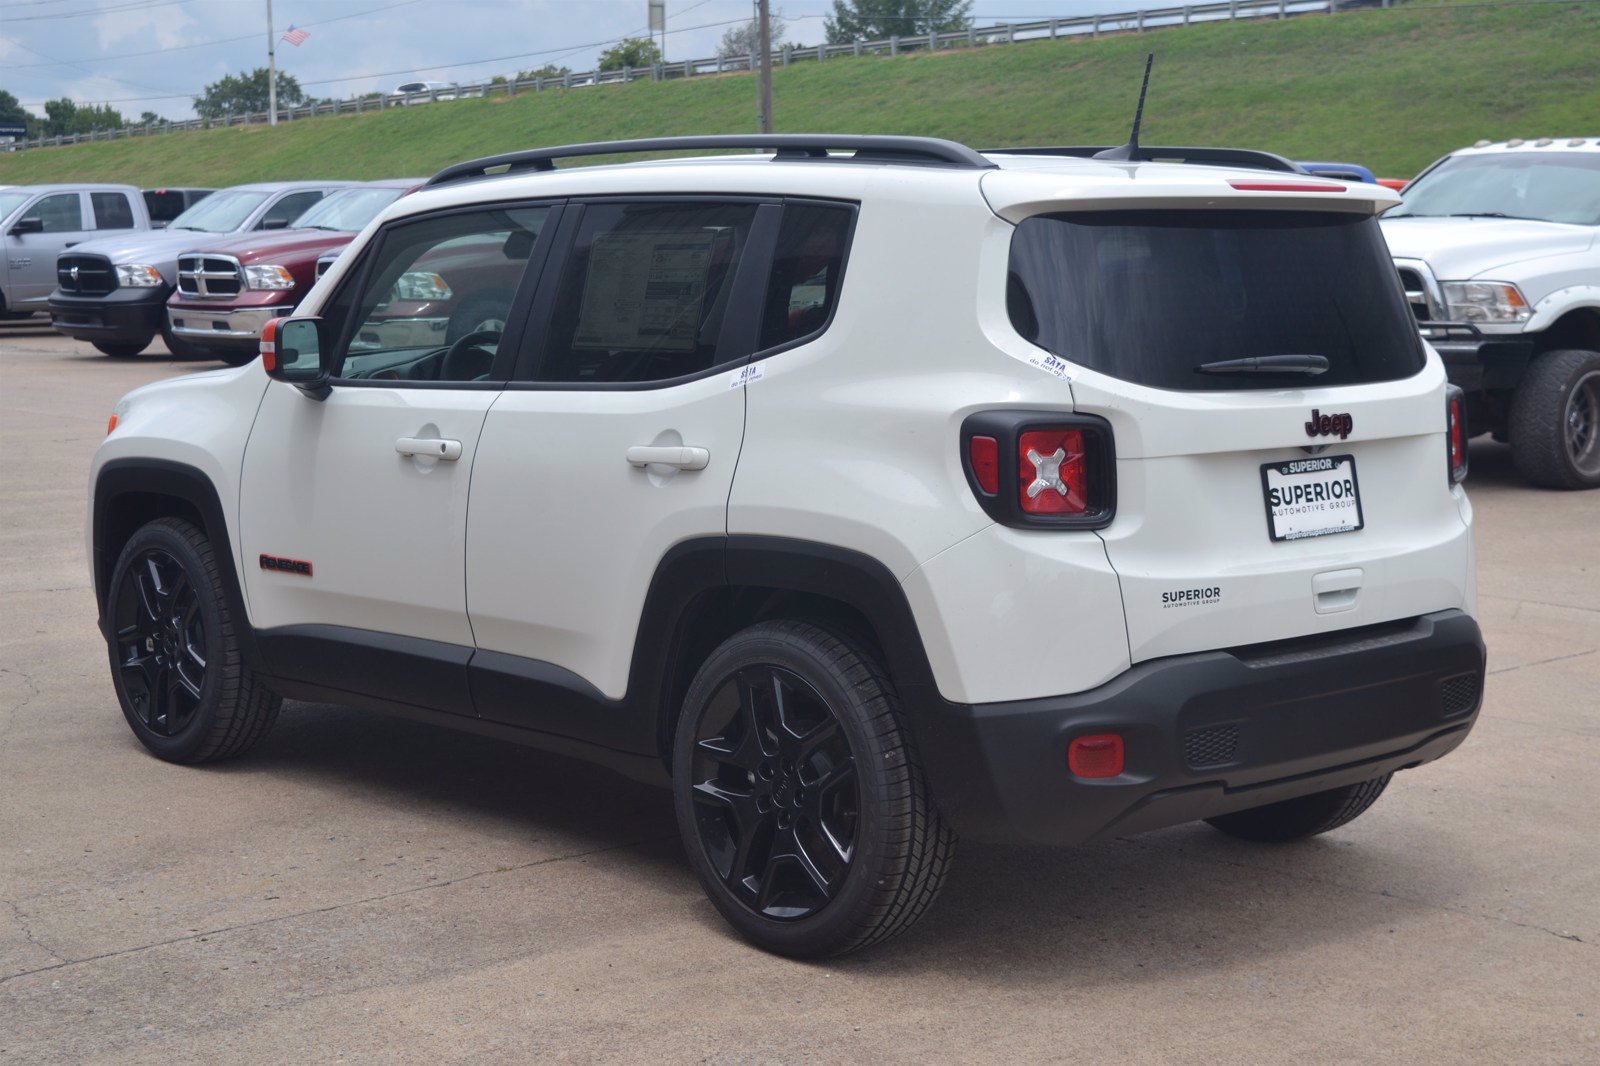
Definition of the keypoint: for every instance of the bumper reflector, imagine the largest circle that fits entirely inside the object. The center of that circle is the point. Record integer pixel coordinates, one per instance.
(1100, 755)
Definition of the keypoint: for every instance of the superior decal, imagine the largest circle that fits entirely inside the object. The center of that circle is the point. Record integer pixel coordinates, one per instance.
(1190, 597)
(1316, 492)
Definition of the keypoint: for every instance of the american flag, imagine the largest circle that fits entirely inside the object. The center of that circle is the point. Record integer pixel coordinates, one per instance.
(294, 36)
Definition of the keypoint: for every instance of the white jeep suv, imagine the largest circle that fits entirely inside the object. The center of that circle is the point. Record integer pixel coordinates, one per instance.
(869, 491)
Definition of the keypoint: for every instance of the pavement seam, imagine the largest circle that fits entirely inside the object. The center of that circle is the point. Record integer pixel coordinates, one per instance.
(1356, 890)
(1542, 662)
(319, 910)
(27, 934)
(1542, 603)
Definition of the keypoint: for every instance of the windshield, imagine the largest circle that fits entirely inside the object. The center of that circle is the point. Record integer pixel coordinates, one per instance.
(1151, 296)
(1548, 186)
(349, 210)
(10, 201)
(221, 212)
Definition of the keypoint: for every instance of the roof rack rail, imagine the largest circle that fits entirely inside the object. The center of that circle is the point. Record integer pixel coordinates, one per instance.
(926, 151)
(1220, 157)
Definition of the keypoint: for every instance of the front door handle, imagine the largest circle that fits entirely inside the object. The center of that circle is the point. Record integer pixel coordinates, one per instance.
(679, 455)
(429, 447)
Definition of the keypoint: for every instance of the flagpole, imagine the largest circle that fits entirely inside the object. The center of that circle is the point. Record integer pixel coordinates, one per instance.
(272, 72)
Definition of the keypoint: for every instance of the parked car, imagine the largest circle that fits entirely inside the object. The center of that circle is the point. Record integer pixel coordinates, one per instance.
(1342, 171)
(1498, 249)
(165, 205)
(38, 222)
(867, 492)
(113, 292)
(226, 290)
(422, 92)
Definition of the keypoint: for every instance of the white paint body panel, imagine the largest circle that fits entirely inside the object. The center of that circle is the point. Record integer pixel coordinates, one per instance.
(385, 533)
(566, 532)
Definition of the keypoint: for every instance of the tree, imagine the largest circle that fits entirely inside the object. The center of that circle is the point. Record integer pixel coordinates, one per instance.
(242, 94)
(547, 72)
(878, 20)
(630, 52)
(744, 40)
(63, 117)
(149, 118)
(13, 111)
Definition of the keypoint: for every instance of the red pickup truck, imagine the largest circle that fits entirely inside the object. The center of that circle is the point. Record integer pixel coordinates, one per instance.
(228, 290)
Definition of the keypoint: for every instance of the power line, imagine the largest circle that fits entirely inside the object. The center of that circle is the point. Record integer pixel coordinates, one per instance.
(138, 5)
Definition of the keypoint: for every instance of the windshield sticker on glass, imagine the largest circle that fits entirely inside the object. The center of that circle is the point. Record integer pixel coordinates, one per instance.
(643, 291)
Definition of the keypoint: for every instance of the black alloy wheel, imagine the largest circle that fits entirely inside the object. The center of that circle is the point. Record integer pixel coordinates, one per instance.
(801, 799)
(160, 642)
(775, 791)
(173, 641)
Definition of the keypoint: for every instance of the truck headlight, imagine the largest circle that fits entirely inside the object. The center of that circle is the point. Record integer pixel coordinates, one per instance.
(421, 285)
(1485, 301)
(268, 276)
(138, 276)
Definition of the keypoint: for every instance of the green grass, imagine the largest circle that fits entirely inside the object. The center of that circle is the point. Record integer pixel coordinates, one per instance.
(1391, 89)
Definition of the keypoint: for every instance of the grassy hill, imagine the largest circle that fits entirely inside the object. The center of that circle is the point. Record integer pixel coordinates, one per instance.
(1393, 89)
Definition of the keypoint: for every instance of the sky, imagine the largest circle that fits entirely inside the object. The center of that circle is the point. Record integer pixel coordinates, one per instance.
(156, 55)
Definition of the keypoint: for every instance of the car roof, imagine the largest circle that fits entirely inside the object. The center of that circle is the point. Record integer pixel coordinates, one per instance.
(1540, 144)
(281, 186)
(74, 186)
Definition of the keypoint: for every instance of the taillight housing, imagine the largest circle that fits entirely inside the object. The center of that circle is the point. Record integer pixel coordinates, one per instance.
(1041, 469)
(1455, 433)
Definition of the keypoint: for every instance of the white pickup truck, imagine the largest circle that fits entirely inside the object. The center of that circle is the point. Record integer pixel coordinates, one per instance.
(1498, 248)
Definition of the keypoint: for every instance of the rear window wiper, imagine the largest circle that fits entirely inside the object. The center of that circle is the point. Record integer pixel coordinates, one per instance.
(1267, 364)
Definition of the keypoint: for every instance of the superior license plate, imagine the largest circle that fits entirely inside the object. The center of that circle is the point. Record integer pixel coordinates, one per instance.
(1312, 497)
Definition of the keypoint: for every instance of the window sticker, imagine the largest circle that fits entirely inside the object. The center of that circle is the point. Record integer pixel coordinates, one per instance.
(644, 290)
(1048, 363)
(744, 376)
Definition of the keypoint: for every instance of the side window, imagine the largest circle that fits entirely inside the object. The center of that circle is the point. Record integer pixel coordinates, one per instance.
(289, 208)
(436, 298)
(806, 270)
(111, 210)
(644, 291)
(60, 212)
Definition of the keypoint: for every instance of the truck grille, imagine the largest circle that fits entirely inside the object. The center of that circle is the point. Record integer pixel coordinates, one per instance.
(209, 275)
(323, 264)
(1422, 290)
(85, 275)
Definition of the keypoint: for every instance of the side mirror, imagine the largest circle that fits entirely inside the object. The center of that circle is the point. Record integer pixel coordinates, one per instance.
(27, 225)
(275, 223)
(291, 352)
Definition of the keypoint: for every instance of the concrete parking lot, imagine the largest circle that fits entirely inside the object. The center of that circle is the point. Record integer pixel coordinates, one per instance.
(368, 889)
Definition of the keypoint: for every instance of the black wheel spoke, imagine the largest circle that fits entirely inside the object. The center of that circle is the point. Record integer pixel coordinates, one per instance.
(757, 701)
(818, 879)
(160, 641)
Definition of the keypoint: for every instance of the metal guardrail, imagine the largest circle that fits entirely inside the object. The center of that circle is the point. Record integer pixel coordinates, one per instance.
(974, 37)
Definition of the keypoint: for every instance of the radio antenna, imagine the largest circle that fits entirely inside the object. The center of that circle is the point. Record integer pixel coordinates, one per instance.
(1130, 151)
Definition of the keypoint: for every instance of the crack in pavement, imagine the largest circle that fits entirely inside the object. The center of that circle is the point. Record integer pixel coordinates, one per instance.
(324, 910)
(1542, 603)
(1356, 890)
(27, 934)
(1542, 662)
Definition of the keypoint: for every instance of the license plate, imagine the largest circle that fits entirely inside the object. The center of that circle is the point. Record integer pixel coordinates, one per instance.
(1312, 497)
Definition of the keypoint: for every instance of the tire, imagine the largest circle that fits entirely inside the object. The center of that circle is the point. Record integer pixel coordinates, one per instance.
(184, 686)
(1555, 421)
(180, 347)
(121, 351)
(1304, 816)
(842, 846)
(232, 357)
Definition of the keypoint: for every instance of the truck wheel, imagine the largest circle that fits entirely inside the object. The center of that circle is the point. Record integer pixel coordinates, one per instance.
(180, 347)
(122, 351)
(175, 658)
(1304, 816)
(232, 357)
(1555, 421)
(800, 798)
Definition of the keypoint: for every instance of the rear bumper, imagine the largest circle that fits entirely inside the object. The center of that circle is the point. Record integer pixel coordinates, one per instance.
(1209, 733)
(122, 316)
(223, 328)
(1477, 361)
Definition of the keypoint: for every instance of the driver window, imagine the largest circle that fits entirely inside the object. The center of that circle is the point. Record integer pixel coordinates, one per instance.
(437, 297)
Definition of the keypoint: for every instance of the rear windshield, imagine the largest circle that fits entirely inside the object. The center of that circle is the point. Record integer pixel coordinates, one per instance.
(1149, 296)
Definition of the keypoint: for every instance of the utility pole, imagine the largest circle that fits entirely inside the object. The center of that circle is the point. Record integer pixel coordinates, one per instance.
(272, 71)
(764, 80)
(658, 24)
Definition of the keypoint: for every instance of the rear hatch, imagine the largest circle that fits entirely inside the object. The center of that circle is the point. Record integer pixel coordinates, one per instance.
(1251, 506)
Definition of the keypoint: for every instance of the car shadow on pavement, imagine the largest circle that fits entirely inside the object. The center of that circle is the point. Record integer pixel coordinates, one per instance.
(1125, 909)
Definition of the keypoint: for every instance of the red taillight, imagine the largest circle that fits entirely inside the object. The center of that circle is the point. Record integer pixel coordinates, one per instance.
(269, 345)
(1101, 755)
(1455, 406)
(984, 454)
(1052, 473)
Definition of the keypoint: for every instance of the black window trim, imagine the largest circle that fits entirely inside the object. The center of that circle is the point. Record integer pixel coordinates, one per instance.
(516, 315)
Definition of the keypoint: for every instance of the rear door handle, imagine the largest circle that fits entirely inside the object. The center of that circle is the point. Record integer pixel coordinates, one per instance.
(681, 456)
(429, 447)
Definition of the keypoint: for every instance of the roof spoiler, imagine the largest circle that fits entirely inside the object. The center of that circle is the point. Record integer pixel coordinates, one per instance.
(925, 151)
(1248, 158)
